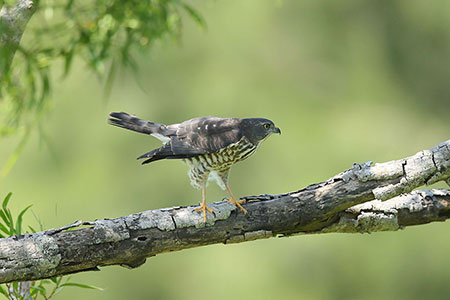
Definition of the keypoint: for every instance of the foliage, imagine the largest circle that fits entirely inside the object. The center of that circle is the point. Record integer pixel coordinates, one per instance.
(104, 34)
(46, 288)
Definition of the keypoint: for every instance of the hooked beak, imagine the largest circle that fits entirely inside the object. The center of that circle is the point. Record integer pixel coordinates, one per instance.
(277, 130)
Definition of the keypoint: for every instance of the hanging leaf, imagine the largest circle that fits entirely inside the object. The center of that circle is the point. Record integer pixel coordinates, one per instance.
(194, 15)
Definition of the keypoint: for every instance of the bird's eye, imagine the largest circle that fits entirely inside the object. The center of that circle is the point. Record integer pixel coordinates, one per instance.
(266, 126)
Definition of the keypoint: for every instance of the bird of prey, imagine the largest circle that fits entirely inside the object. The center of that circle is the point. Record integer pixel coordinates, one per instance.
(209, 146)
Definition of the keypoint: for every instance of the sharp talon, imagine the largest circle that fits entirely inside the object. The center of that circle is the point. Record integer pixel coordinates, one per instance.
(233, 200)
(237, 203)
(203, 207)
(241, 201)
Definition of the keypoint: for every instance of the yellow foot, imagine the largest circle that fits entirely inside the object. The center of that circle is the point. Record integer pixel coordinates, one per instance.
(204, 207)
(237, 203)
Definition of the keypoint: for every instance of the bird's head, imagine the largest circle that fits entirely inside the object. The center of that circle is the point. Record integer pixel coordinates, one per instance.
(257, 130)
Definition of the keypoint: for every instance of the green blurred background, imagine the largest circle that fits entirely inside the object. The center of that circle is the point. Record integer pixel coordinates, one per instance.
(346, 81)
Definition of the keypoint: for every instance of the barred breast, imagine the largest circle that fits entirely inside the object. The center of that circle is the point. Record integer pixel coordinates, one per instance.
(201, 166)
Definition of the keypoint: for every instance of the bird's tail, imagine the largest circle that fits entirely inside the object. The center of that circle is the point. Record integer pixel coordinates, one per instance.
(131, 122)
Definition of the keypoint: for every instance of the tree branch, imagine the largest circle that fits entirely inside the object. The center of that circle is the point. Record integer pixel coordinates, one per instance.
(13, 20)
(415, 208)
(329, 206)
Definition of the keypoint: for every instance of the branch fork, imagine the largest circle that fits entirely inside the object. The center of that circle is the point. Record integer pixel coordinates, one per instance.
(366, 198)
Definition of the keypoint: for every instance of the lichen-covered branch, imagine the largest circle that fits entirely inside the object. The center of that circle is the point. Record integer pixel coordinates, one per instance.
(414, 208)
(329, 206)
(13, 20)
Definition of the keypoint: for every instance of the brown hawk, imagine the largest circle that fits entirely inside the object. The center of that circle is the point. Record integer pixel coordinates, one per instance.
(209, 145)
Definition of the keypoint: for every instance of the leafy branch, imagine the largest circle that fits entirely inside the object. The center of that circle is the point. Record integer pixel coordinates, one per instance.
(105, 34)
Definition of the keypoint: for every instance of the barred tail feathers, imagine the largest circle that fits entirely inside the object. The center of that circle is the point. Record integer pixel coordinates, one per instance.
(131, 122)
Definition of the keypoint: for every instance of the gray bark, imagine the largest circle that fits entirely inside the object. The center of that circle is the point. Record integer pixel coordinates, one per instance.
(13, 20)
(329, 206)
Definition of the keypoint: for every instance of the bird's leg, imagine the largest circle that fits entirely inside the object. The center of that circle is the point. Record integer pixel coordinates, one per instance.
(203, 206)
(233, 200)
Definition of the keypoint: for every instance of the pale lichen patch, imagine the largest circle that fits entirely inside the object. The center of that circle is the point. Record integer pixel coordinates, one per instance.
(151, 219)
(110, 231)
(187, 217)
(365, 222)
(40, 252)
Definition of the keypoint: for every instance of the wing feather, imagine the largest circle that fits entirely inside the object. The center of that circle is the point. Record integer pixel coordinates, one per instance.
(196, 137)
(205, 135)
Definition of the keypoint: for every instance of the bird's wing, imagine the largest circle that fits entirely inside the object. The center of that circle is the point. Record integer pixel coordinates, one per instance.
(196, 137)
(205, 135)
